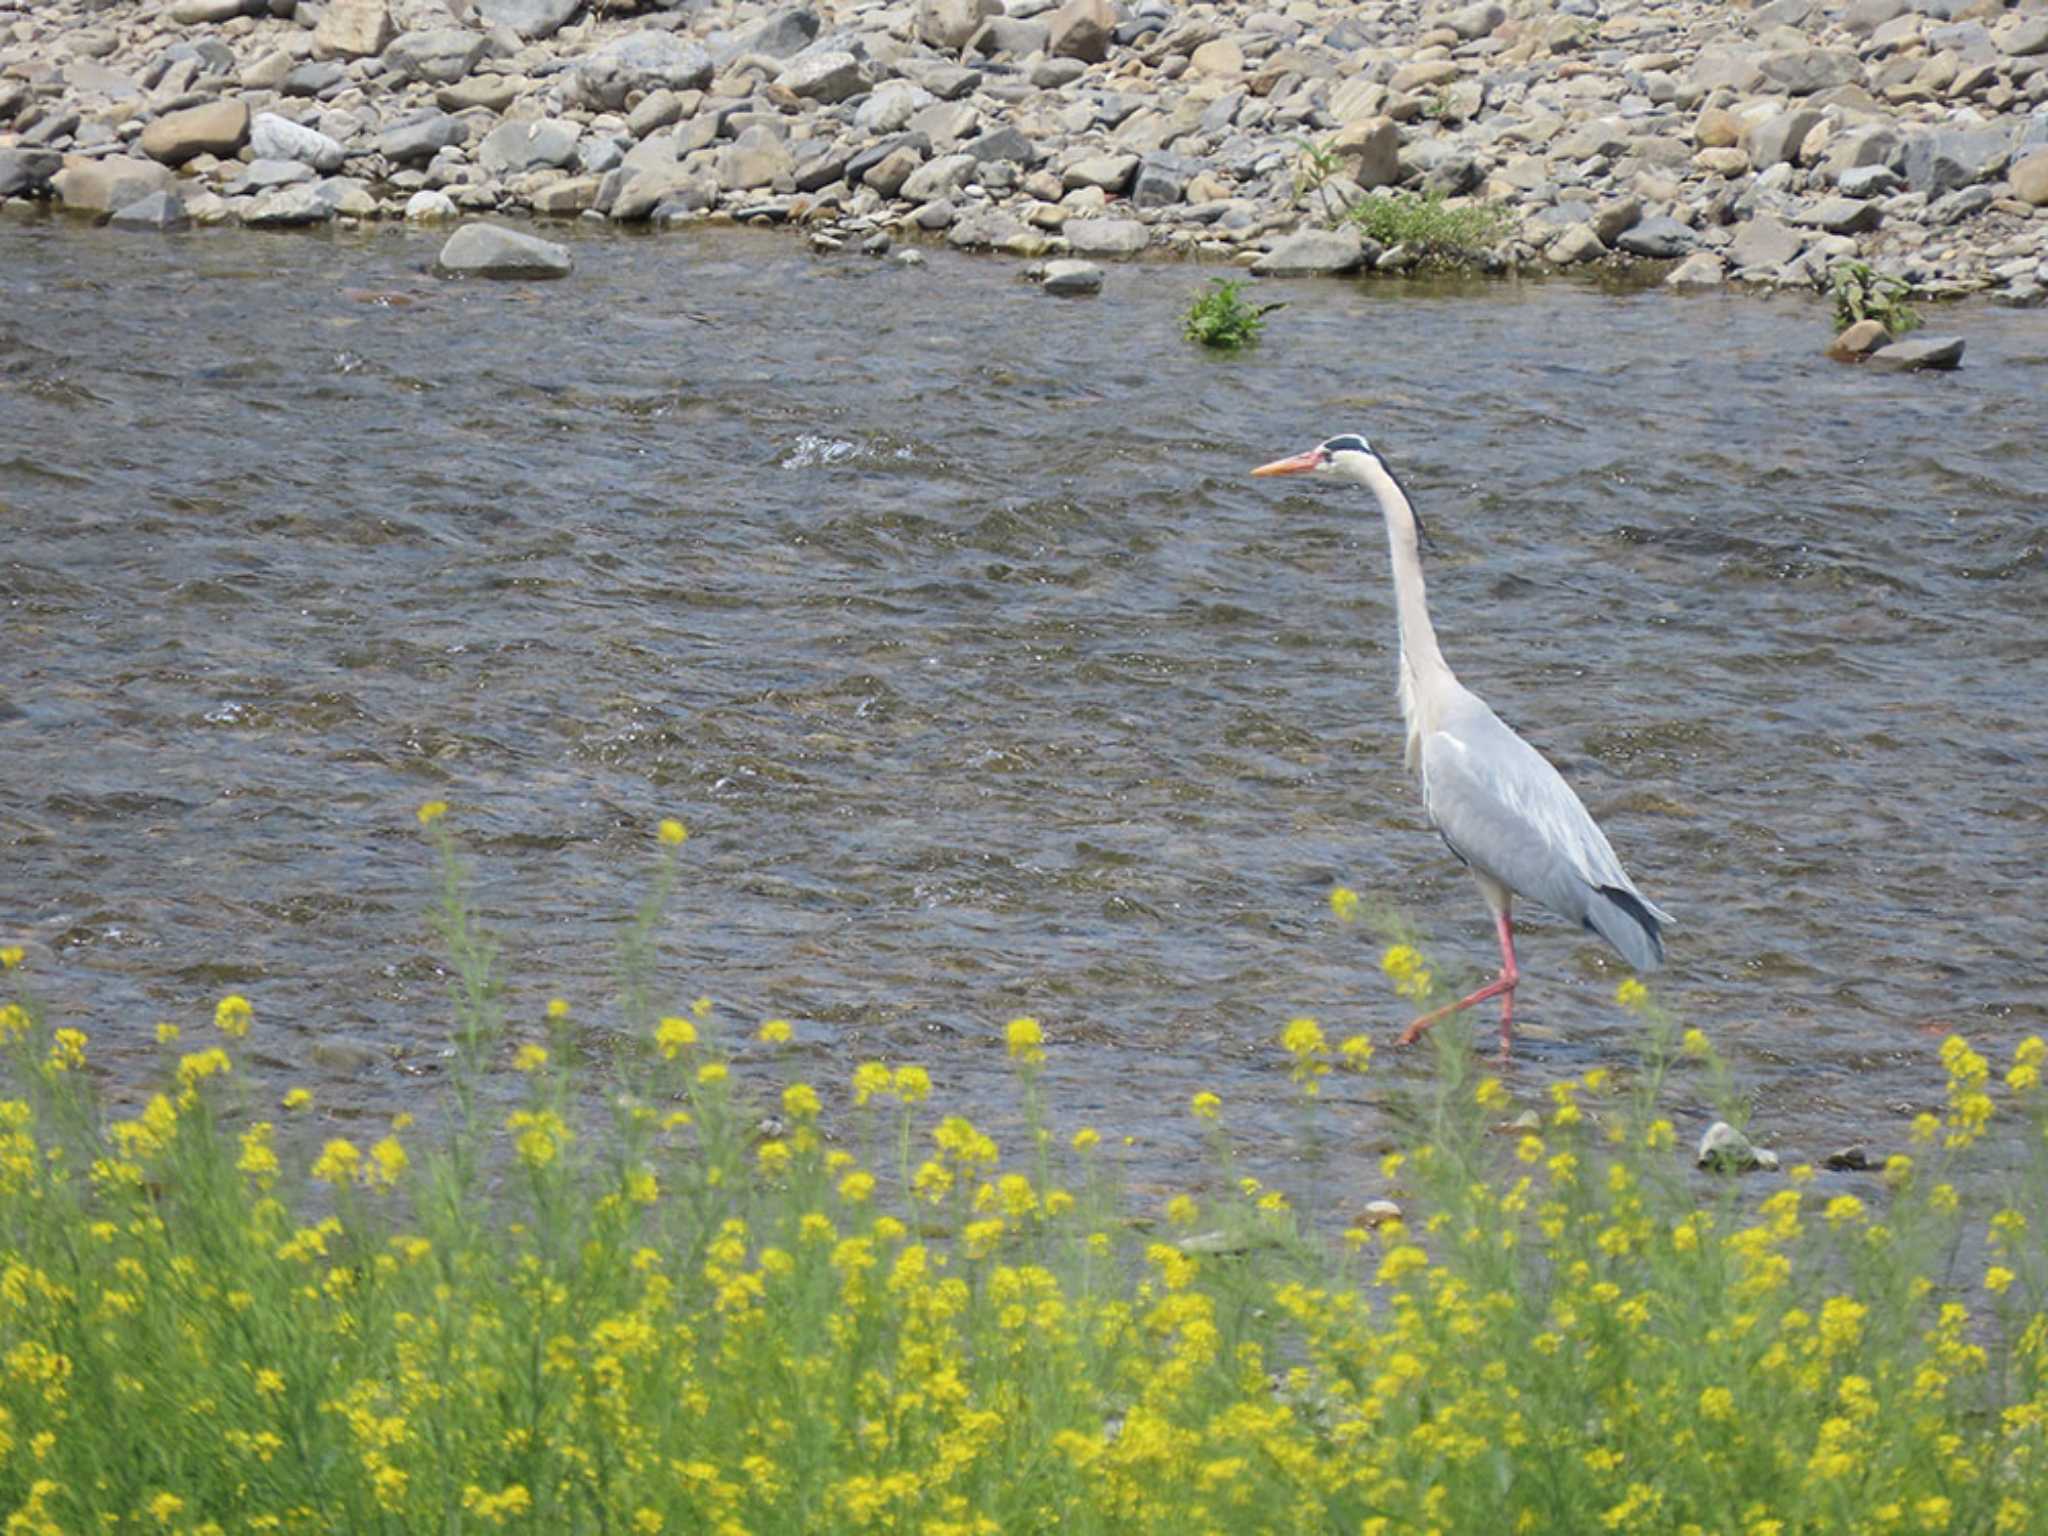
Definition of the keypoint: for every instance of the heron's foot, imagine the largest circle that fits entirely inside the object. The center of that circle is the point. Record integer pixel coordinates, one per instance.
(1502, 987)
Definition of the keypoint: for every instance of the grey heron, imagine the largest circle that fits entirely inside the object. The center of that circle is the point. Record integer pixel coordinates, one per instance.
(1497, 802)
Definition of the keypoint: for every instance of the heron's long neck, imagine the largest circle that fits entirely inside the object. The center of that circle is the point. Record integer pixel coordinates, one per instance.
(1424, 673)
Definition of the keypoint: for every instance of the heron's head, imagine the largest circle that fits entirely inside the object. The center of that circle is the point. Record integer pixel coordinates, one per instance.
(1350, 456)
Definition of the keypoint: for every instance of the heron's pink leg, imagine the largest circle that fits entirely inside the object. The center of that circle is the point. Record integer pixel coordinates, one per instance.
(1503, 987)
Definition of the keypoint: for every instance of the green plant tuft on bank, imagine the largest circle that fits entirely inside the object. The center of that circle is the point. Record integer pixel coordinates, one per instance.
(1427, 222)
(727, 1302)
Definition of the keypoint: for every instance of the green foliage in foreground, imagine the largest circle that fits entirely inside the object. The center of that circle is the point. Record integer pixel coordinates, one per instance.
(1862, 294)
(865, 1319)
(1427, 222)
(1222, 317)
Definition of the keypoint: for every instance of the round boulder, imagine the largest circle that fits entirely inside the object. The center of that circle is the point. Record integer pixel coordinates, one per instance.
(491, 250)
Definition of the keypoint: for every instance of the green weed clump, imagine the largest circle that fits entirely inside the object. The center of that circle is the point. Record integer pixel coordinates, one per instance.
(1862, 294)
(1222, 317)
(1428, 223)
(784, 1308)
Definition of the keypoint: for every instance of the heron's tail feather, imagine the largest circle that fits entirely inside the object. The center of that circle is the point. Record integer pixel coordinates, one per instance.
(1629, 923)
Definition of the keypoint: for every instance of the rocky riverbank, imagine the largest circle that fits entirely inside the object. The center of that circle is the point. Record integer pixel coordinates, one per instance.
(1756, 145)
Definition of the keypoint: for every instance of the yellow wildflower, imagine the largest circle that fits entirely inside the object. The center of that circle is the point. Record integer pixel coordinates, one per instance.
(1344, 902)
(1631, 993)
(775, 1032)
(1997, 1278)
(531, 1058)
(800, 1101)
(432, 812)
(712, 1072)
(1026, 1041)
(231, 1015)
(869, 1079)
(673, 833)
(1205, 1106)
(338, 1162)
(673, 1036)
(298, 1098)
(10, 957)
(1086, 1138)
(913, 1084)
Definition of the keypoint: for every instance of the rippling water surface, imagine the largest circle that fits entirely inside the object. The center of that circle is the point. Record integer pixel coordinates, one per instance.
(946, 615)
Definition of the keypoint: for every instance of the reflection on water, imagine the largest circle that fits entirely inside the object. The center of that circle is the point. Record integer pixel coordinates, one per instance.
(988, 682)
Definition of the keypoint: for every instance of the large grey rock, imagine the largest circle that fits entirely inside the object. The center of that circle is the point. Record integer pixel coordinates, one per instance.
(1843, 215)
(1475, 21)
(829, 76)
(27, 170)
(491, 250)
(313, 78)
(1763, 242)
(1007, 143)
(1943, 159)
(757, 158)
(101, 186)
(1162, 182)
(641, 191)
(949, 24)
(289, 207)
(1006, 37)
(991, 228)
(2024, 36)
(1864, 17)
(438, 57)
(782, 35)
(429, 204)
(1368, 152)
(1313, 253)
(1106, 237)
(937, 179)
(1659, 239)
(192, 13)
(1802, 71)
(640, 61)
(2029, 177)
(1602, 138)
(1112, 173)
(90, 78)
(279, 138)
(888, 174)
(418, 139)
(1921, 352)
(1577, 244)
(353, 29)
(1780, 137)
(1702, 269)
(1072, 277)
(218, 128)
(1082, 29)
(1870, 181)
(162, 211)
(268, 175)
(1873, 144)
(513, 149)
(529, 18)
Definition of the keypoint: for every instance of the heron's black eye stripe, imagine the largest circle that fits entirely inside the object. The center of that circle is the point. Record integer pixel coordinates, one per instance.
(1349, 443)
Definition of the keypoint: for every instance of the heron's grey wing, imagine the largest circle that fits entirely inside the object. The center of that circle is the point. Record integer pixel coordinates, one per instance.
(1507, 812)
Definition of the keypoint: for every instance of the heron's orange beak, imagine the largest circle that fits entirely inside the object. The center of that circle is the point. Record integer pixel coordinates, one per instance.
(1300, 464)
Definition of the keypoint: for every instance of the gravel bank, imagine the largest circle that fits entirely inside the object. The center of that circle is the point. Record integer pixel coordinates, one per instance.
(1753, 145)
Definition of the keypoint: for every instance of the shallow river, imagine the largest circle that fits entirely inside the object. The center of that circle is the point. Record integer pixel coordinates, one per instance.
(987, 681)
